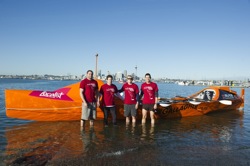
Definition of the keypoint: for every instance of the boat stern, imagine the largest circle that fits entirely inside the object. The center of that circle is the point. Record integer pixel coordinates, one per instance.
(242, 96)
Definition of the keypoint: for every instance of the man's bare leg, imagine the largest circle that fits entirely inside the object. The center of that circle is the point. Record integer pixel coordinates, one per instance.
(144, 116)
(91, 122)
(82, 122)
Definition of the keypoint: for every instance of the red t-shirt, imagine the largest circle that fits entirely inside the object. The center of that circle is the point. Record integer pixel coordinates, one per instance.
(149, 92)
(89, 87)
(130, 93)
(108, 92)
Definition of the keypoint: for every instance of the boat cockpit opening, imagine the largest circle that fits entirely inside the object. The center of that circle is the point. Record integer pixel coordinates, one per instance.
(206, 95)
(224, 95)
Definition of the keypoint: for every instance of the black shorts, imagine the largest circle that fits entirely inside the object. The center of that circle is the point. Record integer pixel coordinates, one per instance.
(129, 109)
(148, 107)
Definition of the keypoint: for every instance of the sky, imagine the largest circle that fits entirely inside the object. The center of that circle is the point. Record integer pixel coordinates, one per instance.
(176, 39)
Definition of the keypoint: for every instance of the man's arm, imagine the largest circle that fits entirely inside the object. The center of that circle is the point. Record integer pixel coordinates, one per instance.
(97, 97)
(156, 99)
(140, 96)
(82, 97)
(119, 95)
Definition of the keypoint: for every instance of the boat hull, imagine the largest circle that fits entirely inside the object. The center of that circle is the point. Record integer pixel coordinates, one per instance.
(185, 109)
(46, 106)
(65, 105)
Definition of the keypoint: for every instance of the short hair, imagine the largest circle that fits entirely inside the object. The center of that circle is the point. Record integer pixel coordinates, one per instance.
(109, 76)
(147, 74)
(89, 71)
(130, 76)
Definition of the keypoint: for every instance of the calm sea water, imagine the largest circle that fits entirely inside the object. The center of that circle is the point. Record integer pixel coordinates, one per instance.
(215, 139)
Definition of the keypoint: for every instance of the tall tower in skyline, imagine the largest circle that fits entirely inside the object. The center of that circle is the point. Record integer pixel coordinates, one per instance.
(96, 60)
(135, 72)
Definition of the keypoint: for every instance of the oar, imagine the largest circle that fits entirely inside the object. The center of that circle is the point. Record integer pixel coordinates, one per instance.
(194, 102)
(191, 102)
(163, 99)
(226, 102)
(170, 101)
(179, 98)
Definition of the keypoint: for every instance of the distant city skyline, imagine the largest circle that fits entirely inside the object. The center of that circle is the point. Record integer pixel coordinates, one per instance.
(185, 39)
(103, 76)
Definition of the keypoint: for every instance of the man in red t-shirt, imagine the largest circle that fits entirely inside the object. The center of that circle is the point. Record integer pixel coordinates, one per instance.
(131, 99)
(90, 98)
(149, 91)
(108, 91)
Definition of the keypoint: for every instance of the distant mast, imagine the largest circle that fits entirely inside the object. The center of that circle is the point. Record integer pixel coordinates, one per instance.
(96, 60)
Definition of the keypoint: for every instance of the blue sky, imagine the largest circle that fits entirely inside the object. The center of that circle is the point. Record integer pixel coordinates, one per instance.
(188, 39)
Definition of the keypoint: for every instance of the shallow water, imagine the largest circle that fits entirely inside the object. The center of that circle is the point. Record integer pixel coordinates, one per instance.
(215, 139)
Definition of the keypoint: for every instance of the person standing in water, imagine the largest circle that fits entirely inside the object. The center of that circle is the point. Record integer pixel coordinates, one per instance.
(149, 92)
(90, 98)
(131, 99)
(108, 91)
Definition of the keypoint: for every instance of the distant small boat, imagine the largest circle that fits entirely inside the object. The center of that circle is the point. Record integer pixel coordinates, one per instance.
(184, 83)
(64, 104)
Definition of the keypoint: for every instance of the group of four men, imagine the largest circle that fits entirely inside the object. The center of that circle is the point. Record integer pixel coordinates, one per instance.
(90, 96)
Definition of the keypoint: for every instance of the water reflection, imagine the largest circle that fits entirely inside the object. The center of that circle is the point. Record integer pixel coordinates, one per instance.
(39, 142)
(148, 132)
(90, 141)
(173, 142)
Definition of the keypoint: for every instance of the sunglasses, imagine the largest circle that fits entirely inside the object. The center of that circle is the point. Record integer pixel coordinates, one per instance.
(129, 78)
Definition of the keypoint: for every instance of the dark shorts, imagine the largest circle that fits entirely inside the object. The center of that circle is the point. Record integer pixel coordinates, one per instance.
(129, 109)
(148, 107)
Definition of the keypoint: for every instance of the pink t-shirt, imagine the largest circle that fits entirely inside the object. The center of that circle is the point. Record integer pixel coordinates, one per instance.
(89, 87)
(130, 93)
(108, 92)
(149, 92)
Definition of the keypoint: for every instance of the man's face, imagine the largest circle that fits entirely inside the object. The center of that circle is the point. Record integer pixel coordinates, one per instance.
(90, 75)
(147, 78)
(129, 80)
(109, 80)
